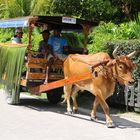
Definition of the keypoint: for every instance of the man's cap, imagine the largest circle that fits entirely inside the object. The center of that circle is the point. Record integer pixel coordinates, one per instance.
(18, 30)
(45, 31)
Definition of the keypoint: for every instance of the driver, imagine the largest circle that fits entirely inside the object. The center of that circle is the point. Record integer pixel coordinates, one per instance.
(58, 44)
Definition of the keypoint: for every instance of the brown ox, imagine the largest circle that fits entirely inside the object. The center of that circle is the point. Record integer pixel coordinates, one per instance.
(102, 82)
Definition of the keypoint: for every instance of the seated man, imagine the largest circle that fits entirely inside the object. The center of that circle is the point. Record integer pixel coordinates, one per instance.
(17, 37)
(58, 44)
(43, 44)
(46, 49)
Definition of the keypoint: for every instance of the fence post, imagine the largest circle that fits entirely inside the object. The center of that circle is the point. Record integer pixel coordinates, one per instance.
(138, 95)
(129, 96)
(126, 97)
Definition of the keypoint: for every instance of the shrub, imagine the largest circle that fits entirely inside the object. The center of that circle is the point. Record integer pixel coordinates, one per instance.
(108, 32)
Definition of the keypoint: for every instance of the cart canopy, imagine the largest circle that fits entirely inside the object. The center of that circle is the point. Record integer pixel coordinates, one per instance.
(17, 22)
(66, 23)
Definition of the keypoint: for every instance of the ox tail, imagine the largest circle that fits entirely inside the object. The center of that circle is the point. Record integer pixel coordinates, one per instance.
(66, 96)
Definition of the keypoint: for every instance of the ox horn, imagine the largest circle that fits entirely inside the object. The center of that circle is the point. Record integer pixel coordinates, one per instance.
(131, 54)
(115, 52)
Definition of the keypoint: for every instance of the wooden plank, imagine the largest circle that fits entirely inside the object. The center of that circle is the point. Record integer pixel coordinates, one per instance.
(33, 52)
(32, 65)
(60, 83)
(37, 60)
(33, 76)
(55, 76)
(57, 66)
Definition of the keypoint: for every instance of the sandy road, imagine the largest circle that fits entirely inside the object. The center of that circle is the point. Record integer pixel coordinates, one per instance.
(37, 120)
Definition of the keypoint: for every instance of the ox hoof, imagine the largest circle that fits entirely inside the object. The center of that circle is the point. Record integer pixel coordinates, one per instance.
(110, 125)
(75, 111)
(69, 112)
(93, 119)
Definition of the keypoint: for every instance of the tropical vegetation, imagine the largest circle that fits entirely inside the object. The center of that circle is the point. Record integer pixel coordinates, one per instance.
(119, 19)
(119, 25)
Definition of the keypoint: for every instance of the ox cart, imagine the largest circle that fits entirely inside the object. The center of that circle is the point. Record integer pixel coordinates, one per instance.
(16, 57)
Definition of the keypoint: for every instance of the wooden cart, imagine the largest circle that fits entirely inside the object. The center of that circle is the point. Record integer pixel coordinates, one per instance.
(36, 68)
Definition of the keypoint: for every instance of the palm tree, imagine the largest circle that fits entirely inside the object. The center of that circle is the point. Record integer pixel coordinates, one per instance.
(18, 8)
(41, 7)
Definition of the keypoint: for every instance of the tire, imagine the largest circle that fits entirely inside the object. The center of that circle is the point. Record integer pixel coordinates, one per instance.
(12, 97)
(23, 89)
(54, 96)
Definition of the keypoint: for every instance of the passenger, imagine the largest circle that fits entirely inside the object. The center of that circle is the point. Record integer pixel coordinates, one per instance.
(58, 44)
(46, 49)
(17, 37)
(43, 44)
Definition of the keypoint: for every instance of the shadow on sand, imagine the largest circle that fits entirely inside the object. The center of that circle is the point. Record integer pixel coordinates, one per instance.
(84, 114)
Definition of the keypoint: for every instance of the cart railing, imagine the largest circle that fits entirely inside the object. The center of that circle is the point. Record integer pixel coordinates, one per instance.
(132, 96)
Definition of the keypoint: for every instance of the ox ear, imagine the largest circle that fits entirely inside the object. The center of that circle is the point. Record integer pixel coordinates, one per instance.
(111, 63)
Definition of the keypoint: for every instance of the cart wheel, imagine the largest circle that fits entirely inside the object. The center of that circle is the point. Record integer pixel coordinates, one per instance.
(54, 96)
(23, 89)
(12, 97)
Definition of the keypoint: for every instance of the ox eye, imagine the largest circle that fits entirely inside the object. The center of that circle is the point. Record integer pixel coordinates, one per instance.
(120, 66)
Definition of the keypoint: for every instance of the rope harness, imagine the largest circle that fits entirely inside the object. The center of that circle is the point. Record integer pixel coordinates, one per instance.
(112, 74)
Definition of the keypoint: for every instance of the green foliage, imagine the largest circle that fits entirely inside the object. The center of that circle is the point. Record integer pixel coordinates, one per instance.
(98, 9)
(73, 39)
(19, 8)
(88, 9)
(105, 10)
(11, 61)
(41, 7)
(100, 35)
(5, 35)
(68, 7)
(35, 41)
(127, 9)
(108, 32)
(101, 10)
(11, 8)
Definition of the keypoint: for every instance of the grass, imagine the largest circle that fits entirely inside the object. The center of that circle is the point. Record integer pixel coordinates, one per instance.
(1, 86)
